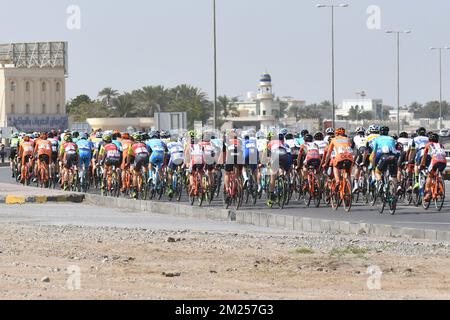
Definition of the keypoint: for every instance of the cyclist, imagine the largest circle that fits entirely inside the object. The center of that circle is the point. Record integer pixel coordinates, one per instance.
(194, 156)
(385, 154)
(416, 152)
(341, 150)
(330, 134)
(158, 151)
(251, 158)
(360, 143)
(438, 162)
(309, 157)
(14, 146)
(110, 156)
(176, 160)
(25, 155)
(43, 150)
(301, 140)
(68, 155)
(233, 155)
(139, 155)
(210, 153)
(126, 142)
(280, 159)
(405, 141)
(86, 150)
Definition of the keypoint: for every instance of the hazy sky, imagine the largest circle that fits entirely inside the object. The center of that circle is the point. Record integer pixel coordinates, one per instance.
(129, 44)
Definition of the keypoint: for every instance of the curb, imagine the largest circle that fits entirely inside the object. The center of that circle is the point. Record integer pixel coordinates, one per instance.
(13, 199)
(4, 165)
(269, 220)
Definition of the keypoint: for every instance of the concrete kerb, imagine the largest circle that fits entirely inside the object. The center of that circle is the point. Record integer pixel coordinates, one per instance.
(269, 220)
(20, 200)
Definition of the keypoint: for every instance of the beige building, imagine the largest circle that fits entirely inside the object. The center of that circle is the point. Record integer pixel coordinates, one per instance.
(33, 86)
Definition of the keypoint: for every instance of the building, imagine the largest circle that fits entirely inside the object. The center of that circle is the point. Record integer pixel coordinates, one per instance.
(260, 111)
(374, 106)
(33, 86)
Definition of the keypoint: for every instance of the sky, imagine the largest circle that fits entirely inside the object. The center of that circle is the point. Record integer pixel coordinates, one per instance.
(130, 44)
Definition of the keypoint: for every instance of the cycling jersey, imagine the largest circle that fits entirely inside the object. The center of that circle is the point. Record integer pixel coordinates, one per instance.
(176, 152)
(342, 148)
(438, 156)
(323, 146)
(370, 139)
(86, 149)
(157, 151)
(43, 147)
(360, 142)
(251, 155)
(405, 142)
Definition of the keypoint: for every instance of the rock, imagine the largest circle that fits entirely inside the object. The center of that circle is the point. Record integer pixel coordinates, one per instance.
(171, 274)
(319, 269)
(212, 271)
(45, 279)
(171, 240)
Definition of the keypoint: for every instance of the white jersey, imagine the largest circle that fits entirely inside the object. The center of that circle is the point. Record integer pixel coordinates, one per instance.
(405, 142)
(360, 142)
(327, 139)
(420, 142)
(262, 144)
(322, 146)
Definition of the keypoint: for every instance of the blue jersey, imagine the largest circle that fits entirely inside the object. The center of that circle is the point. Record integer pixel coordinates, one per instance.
(250, 149)
(118, 145)
(156, 146)
(384, 145)
(85, 146)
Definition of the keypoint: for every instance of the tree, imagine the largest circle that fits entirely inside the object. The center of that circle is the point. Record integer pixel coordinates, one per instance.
(226, 106)
(432, 110)
(152, 99)
(107, 95)
(89, 110)
(76, 102)
(124, 106)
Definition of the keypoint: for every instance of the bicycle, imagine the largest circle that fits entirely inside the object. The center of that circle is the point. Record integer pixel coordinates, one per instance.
(84, 180)
(250, 186)
(387, 194)
(437, 192)
(42, 174)
(418, 193)
(156, 184)
(342, 193)
(196, 190)
(234, 192)
(111, 181)
(363, 187)
(313, 192)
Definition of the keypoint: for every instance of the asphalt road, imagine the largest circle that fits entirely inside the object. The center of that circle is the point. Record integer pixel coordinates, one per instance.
(406, 216)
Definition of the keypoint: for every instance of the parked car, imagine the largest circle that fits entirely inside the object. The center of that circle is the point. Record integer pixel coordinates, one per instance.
(444, 133)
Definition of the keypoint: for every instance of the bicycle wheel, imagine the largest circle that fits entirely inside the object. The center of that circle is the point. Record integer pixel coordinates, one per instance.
(380, 201)
(347, 201)
(317, 194)
(392, 197)
(239, 197)
(281, 192)
(308, 194)
(439, 200)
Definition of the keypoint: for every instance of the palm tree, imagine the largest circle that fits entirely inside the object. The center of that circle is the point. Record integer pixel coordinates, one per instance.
(151, 99)
(227, 106)
(124, 106)
(107, 95)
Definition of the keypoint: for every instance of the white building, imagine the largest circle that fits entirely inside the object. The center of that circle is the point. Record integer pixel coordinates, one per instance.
(33, 86)
(261, 112)
(375, 106)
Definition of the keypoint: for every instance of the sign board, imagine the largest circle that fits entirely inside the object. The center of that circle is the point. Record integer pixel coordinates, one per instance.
(171, 121)
(28, 123)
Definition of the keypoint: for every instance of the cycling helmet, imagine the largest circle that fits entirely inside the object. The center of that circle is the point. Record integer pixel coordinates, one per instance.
(404, 135)
(192, 134)
(165, 135)
(284, 132)
(137, 137)
(340, 132)
(154, 135)
(384, 131)
(304, 133)
(107, 138)
(51, 135)
(374, 129)
(289, 136)
(434, 137)
(15, 135)
(84, 136)
(330, 131)
(68, 138)
(126, 136)
(26, 138)
(319, 136)
(414, 135)
(308, 138)
(395, 137)
(144, 136)
(421, 132)
(269, 135)
(361, 130)
(43, 136)
(260, 135)
(99, 135)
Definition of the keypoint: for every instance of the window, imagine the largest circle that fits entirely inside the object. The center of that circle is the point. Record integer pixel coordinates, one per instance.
(58, 87)
(58, 108)
(44, 109)
(27, 86)
(13, 86)
(264, 113)
(13, 109)
(44, 86)
(27, 108)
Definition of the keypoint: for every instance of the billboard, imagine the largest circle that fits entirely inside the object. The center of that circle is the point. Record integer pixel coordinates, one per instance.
(29, 123)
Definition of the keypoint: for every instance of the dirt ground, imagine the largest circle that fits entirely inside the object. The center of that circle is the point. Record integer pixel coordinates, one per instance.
(141, 264)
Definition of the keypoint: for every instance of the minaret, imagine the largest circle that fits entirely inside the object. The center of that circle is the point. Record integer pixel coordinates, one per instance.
(265, 95)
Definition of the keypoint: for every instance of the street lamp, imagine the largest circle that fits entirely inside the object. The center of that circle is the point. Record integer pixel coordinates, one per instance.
(215, 65)
(332, 6)
(398, 72)
(440, 81)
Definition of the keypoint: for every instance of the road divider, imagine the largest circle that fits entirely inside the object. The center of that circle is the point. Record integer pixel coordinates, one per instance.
(269, 220)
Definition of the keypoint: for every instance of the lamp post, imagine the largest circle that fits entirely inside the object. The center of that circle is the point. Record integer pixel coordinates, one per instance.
(215, 65)
(332, 6)
(398, 73)
(440, 82)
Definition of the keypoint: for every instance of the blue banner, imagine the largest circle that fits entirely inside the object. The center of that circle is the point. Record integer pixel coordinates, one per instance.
(29, 123)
